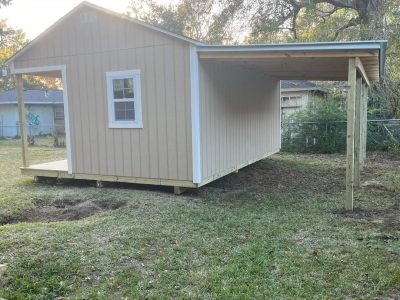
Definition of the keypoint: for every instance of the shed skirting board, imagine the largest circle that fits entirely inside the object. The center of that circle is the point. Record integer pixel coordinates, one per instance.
(54, 173)
(233, 169)
(107, 178)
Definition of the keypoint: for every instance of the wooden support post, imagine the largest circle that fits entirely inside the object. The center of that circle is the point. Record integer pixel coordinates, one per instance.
(357, 133)
(362, 121)
(22, 121)
(100, 184)
(351, 99)
(179, 190)
(365, 122)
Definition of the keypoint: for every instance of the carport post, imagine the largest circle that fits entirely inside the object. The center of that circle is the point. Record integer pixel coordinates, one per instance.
(365, 123)
(357, 132)
(351, 100)
(19, 84)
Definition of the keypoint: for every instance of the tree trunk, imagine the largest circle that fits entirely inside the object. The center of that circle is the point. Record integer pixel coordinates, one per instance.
(371, 14)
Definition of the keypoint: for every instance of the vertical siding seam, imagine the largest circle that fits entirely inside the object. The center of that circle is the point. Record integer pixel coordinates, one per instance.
(176, 113)
(79, 104)
(166, 110)
(93, 62)
(157, 85)
(88, 114)
(189, 164)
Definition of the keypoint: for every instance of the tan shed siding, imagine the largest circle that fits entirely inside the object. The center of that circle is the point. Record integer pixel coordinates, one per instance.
(240, 116)
(162, 149)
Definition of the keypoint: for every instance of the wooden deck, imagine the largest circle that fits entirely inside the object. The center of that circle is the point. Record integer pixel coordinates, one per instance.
(59, 169)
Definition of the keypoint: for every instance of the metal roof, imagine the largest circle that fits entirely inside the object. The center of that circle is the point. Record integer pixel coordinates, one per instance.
(33, 97)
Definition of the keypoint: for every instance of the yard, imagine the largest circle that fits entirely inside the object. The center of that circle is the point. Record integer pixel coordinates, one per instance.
(274, 230)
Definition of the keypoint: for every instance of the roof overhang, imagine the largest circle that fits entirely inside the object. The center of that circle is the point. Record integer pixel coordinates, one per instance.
(308, 61)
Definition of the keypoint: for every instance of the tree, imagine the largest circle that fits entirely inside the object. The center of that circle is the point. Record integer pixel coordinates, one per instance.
(366, 18)
(11, 41)
(5, 3)
(207, 20)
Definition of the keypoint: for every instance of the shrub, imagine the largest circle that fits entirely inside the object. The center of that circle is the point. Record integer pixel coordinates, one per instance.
(320, 128)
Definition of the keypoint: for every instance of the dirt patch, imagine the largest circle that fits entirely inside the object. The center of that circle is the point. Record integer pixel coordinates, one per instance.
(383, 160)
(383, 218)
(269, 175)
(392, 294)
(62, 213)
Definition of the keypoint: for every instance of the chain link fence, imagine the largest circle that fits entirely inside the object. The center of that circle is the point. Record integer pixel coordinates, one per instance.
(330, 137)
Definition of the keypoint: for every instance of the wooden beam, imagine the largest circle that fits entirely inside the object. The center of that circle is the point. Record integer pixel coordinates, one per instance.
(227, 55)
(360, 68)
(351, 99)
(357, 132)
(22, 121)
(179, 190)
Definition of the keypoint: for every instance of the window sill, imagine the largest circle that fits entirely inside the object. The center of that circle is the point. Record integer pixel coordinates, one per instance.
(124, 125)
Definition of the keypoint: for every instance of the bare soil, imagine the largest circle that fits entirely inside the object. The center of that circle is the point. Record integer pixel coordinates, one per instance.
(270, 175)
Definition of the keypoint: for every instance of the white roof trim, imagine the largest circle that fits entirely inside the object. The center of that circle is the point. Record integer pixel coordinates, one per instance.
(104, 10)
(318, 46)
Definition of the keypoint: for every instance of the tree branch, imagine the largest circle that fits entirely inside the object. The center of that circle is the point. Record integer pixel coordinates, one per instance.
(351, 23)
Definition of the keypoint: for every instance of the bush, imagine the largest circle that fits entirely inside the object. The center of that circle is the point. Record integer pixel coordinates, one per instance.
(320, 128)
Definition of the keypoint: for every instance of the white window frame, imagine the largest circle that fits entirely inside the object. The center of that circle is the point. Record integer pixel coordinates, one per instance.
(135, 75)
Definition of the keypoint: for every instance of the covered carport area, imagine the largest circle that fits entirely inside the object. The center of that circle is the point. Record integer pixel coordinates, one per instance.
(359, 63)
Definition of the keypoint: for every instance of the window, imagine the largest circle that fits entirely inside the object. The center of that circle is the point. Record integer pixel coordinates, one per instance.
(292, 101)
(59, 113)
(124, 101)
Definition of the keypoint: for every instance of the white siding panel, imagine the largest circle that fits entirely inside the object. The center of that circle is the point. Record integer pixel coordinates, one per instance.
(239, 116)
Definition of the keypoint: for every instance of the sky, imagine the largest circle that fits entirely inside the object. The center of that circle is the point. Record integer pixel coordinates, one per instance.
(35, 16)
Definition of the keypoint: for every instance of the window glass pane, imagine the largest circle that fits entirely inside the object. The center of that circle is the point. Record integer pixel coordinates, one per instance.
(118, 94)
(118, 84)
(119, 115)
(118, 87)
(128, 93)
(128, 83)
(124, 111)
(130, 114)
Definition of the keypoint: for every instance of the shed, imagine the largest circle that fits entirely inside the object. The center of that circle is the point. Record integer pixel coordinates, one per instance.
(145, 105)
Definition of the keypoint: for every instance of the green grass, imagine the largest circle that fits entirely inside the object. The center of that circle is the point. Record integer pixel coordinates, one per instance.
(274, 230)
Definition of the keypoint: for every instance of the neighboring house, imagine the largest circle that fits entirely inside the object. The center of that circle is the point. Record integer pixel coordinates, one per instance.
(45, 107)
(295, 94)
(145, 105)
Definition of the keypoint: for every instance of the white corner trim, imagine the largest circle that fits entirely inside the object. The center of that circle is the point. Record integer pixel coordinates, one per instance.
(63, 69)
(195, 113)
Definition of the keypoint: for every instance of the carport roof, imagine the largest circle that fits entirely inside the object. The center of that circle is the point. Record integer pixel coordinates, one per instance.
(308, 61)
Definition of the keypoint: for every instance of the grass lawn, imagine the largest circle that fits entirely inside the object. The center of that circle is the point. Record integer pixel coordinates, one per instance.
(274, 230)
